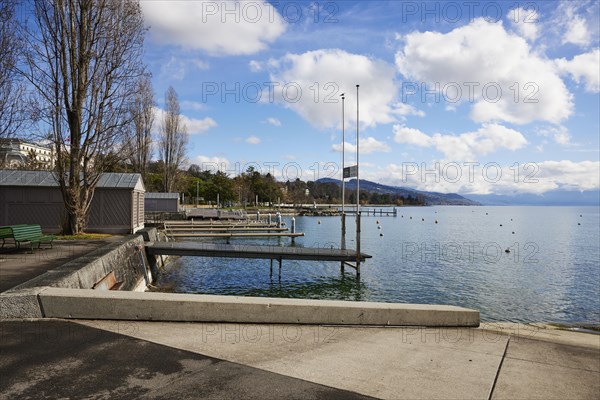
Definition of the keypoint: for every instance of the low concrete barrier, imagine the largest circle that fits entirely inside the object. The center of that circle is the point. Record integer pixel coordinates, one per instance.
(148, 306)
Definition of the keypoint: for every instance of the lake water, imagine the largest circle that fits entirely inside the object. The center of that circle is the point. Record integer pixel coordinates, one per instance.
(552, 273)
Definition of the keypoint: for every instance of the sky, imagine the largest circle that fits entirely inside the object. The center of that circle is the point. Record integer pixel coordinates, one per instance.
(463, 97)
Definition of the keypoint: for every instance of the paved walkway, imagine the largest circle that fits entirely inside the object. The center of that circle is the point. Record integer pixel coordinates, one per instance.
(128, 359)
(50, 359)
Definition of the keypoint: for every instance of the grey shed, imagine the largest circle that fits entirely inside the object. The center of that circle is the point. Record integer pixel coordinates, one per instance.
(34, 197)
(166, 202)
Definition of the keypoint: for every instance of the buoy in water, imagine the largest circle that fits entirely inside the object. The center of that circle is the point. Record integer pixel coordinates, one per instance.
(381, 234)
(436, 221)
(319, 222)
(486, 213)
(422, 219)
(507, 251)
(377, 222)
(513, 232)
(500, 224)
(410, 217)
(379, 227)
(579, 223)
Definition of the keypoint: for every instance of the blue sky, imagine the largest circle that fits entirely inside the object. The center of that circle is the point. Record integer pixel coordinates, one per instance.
(467, 97)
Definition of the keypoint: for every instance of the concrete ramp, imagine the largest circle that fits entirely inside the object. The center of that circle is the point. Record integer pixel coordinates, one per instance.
(149, 306)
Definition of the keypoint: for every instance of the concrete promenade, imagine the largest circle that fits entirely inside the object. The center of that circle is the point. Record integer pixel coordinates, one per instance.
(49, 358)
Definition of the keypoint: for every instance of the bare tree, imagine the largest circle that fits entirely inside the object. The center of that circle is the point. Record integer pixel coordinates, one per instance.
(11, 89)
(173, 139)
(142, 115)
(83, 59)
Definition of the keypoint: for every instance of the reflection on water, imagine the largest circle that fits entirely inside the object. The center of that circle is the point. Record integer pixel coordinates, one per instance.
(550, 274)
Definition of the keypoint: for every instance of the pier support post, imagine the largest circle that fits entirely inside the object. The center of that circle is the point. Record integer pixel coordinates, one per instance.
(358, 244)
(279, 268)
(343, 242)
(271, 269)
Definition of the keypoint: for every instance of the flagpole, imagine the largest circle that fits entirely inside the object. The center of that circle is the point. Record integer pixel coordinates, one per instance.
(357, 190)
(343, 241)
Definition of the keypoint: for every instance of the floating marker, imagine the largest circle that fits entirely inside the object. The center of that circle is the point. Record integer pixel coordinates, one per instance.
(379, 227)
(507, 251)
(500, 224)
(436, 221)
(381, 234)
(513, 232)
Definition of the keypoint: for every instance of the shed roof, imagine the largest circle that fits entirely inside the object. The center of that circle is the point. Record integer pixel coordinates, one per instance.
(157, 195)
(9, 177)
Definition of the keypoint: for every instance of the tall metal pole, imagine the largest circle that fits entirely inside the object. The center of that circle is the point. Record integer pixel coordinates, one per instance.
(343, 242)
(357, 189)
(197, 194)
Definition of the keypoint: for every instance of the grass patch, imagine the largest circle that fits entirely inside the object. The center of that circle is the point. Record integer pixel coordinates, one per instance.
(84, 236)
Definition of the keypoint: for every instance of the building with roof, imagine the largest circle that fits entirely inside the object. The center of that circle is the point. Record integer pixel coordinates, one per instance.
(34, 197)
(161, 202)
(17, 153)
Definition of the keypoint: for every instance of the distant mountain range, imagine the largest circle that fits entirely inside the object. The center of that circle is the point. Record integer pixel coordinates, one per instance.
(550, 198)
(430, 198)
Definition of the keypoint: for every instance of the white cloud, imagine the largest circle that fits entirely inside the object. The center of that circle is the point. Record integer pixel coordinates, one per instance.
(577, 31)
(482, 178)
(315, 80)
(466, 146)
(559, 133)
(212, 164)
(583, 67)
(576, 22)
(208, 26)
(194, 125)
(192, 105)
(403, 134)
(252, 140)
(255, 66)
(484, 53)
(525, 22)
(198, 126)
(273, 121)
(367, 146)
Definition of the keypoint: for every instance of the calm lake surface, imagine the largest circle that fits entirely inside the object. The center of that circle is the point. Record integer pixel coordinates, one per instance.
(552, 273)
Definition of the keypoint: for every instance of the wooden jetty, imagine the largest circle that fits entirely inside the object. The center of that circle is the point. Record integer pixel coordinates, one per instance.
(207, 224)
(252, 251)
(217, 229)
(235, 234)
(374, 212)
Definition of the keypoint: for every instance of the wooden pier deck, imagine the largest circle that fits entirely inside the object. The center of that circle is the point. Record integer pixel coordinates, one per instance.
(235, 234)
(217, 229)
(252, 251)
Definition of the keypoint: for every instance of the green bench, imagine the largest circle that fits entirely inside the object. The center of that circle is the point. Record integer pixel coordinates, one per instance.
(25, 233)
